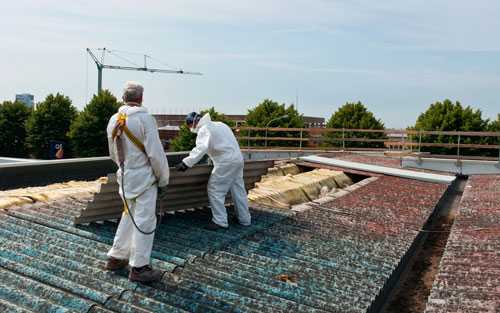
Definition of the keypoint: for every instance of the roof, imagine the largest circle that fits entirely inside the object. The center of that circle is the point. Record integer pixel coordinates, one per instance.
(469, 274)
(367, 159)
(338, 256)
(6, 160)
(430, 177)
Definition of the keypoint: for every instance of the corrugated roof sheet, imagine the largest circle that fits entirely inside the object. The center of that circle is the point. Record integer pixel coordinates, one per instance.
(335, 257)
(469, 272)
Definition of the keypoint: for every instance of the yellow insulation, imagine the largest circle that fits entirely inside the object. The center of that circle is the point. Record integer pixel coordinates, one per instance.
(285, 191)
(52, 192)
(281, 170)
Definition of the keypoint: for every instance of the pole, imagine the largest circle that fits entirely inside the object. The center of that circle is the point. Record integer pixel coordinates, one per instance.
(300, 139)
(266, 139)
(403, 145)
(459, 163)
(343, 137)
(498, 143)
(99, 79)
(419, 139)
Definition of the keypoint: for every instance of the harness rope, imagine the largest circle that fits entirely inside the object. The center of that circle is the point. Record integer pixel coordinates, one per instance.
(120, 128)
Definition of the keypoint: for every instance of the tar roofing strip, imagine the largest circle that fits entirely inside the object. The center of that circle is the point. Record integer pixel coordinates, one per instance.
(469, 272)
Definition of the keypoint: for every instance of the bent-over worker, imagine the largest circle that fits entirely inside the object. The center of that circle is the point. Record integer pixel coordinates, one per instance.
(143, 173)
(218, 141)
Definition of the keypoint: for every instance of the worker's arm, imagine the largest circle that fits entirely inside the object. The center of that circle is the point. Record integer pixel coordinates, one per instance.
(154, 150)
(202, 142)
(111, 144)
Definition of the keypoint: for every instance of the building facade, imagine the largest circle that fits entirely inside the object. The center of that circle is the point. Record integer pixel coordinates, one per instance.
(178, 120)
(26, 98)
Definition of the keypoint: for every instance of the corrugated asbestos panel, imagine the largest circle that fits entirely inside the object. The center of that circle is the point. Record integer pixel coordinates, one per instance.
(334, 257)
(469, 273)
(186, 190)
(428, 177)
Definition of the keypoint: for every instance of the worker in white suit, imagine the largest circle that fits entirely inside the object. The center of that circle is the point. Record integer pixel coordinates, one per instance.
(217, 140)
(135, 146)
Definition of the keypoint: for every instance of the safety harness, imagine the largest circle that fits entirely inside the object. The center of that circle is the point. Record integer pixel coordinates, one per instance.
(119, 129)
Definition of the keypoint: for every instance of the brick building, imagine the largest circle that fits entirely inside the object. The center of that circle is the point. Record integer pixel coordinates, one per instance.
(178, 120)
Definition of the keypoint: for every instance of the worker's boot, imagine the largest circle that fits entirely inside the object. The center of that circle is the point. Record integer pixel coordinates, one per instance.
(114, 264)
(212, 226)
(234, 219)
(145, 274)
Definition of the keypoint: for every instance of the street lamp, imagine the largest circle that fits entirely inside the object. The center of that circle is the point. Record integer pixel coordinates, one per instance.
(274, 119)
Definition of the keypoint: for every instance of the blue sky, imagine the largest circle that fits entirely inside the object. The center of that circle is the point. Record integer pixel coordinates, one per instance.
(396, 57)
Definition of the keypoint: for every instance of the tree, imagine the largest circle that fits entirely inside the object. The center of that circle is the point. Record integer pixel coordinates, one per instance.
(272, 114)
(186, 140)
(354, 116)
(449, 116)
(494, 125)
(13, 116)
(88, 131)
(50, 121)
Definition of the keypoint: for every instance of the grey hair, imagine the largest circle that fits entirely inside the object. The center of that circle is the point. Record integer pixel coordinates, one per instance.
(132, 92)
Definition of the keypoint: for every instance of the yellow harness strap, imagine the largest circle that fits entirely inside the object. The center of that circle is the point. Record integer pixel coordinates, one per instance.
(121, 127)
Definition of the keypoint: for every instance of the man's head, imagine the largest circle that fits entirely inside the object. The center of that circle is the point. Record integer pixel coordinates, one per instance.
(132, 93)
(192, 120)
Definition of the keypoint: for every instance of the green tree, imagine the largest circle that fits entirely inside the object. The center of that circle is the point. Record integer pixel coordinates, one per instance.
(13, 116)
(50, 121)
(449, 116)
(354, 116)
(271, 114)
(88, 131)
(186, 140)
(494, 125)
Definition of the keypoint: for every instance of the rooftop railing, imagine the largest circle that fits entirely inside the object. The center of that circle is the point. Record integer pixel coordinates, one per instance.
(451, 143)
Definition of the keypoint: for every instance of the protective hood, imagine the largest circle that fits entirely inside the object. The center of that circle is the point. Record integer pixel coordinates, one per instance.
(130, 110)
(203, 121)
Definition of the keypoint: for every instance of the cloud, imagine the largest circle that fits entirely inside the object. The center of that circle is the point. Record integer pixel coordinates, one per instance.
(362, 43)
(411, 24)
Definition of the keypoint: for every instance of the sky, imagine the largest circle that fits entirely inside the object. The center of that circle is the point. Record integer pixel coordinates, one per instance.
(396, 57)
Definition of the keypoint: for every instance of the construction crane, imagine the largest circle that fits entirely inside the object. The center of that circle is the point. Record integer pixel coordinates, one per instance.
(100, 66)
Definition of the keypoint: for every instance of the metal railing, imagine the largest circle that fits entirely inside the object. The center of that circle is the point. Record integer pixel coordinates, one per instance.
(373, 139)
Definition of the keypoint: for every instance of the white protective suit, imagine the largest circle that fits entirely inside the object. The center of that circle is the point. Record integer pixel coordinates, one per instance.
(143, 176)
(218, 141)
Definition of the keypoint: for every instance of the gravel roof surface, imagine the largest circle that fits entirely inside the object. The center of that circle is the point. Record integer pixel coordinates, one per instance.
(469, 274)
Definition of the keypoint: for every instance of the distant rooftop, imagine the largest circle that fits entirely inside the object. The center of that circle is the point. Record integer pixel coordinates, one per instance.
(179, 119)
